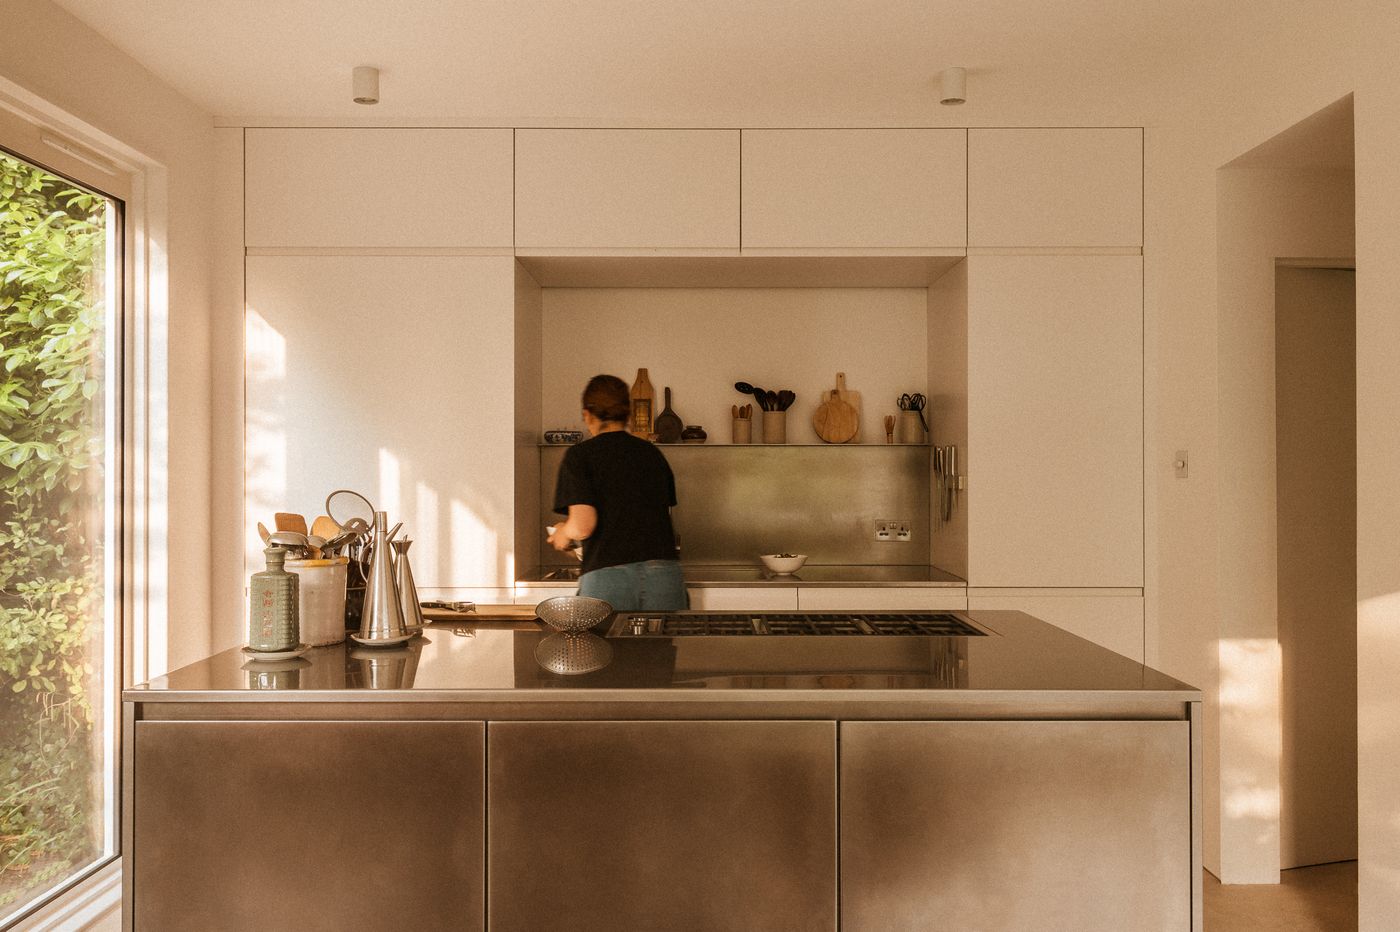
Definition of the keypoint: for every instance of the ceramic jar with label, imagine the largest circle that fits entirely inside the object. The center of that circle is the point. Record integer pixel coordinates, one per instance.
(272, 621)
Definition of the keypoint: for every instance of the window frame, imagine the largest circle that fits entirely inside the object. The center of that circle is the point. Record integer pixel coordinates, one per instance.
(55, 153)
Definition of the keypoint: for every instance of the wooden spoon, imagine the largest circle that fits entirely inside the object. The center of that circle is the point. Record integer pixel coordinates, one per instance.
(263, 532)
(286, 521)
(323, 526)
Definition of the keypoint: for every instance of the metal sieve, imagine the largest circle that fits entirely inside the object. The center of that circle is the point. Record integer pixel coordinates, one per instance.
(573, 612)
(573, 653)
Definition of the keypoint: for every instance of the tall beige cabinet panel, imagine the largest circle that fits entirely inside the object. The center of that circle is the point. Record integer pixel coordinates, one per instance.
(388, 375)
(855, 188)
(627, 189)
(1055, 421)
(359, 188)
(1042, 188)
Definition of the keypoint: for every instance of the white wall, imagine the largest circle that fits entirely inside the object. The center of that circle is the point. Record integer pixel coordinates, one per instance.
(1378, 458)
(115, 101)
(392, 376)
(701, 341)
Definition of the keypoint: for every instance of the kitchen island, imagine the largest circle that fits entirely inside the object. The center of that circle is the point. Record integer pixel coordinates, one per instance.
(1011, 776)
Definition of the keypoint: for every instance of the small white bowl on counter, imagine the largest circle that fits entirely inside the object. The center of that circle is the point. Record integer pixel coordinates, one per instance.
(783, 563)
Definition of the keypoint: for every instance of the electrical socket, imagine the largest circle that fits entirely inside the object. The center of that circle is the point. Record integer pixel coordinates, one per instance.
(893, 529)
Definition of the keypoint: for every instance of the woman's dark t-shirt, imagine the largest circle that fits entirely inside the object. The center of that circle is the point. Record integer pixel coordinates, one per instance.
(630, 484)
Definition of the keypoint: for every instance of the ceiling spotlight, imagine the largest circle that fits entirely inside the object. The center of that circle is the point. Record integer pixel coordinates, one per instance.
(954, 86)
(365, 85)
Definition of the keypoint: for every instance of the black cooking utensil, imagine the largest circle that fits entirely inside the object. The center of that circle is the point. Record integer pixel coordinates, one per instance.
(785, 399)
(668, 423)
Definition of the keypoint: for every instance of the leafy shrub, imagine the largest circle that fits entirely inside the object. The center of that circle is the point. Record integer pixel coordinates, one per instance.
(52, 256)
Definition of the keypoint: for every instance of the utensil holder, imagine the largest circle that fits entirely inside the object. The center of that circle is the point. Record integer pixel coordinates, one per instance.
(775, 427)
(743, 430)
(909, 429)
(321, 604)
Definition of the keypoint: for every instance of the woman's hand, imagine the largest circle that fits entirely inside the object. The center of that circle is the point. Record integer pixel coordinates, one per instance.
(560, 540)
(579, 525)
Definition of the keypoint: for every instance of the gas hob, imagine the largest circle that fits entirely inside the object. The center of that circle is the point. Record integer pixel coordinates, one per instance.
(828, 624)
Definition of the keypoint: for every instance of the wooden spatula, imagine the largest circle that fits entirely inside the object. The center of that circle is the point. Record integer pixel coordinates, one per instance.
(325, 527)
(286, 521)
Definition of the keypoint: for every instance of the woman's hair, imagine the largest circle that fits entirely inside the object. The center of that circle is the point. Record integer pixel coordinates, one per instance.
(607, 399)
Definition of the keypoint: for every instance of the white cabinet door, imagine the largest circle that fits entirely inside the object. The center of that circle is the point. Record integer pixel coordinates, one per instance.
(1055, 421)
(1054, 187)
(368, 373)
(881, 598)
(855, 188)
(1109, 618)
(743, 598)
(398, 188)
(627, 189)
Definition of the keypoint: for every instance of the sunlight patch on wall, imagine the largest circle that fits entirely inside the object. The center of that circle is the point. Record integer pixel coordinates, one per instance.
(1250, 671)
(473, 547)
(265, 455)
(390, 494)
(1378, 743)
(425, 551)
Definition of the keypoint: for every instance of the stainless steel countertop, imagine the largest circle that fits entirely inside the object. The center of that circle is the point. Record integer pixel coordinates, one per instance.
(1023, 660)
(738, 574)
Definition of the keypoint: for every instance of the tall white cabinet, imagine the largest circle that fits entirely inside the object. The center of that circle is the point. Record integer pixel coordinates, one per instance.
(1055, 420)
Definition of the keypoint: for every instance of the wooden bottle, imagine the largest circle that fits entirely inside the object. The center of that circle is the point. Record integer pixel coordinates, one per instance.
(642, 409)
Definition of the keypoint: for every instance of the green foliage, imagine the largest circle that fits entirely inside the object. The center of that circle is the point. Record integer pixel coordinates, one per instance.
(52, 256)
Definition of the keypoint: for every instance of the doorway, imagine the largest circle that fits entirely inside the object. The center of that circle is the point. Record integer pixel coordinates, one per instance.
(1315, 418)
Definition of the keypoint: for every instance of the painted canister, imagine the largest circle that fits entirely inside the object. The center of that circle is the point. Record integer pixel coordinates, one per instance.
(272, 619)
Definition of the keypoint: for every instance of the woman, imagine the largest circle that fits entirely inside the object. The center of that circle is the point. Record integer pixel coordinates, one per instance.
(617, 491)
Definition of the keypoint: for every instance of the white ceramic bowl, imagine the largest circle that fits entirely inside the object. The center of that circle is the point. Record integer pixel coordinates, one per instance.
(782, 565)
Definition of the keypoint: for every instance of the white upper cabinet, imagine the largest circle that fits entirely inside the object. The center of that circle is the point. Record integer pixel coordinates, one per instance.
(855, 188)
(583, 189)
(363, 188)
(1079, 188)
(1055, 421)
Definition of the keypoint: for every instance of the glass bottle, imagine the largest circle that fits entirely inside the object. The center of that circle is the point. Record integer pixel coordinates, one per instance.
(272, 621)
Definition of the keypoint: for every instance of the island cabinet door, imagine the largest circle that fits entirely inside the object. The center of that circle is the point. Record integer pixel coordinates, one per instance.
(308, 825)
(1074, 826)
(662, 825)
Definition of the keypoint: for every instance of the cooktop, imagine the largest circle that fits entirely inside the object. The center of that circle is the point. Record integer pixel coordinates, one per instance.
(726, 624)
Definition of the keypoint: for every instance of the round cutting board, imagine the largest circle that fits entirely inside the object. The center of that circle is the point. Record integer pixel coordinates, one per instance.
(835, 421)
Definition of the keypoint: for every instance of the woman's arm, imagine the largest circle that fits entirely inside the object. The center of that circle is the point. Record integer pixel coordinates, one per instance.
(579, 525)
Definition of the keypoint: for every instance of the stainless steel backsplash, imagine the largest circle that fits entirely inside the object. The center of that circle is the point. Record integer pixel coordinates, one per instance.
(736, 502)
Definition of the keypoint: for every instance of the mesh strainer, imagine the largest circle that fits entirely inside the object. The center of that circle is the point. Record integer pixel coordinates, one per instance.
(573, 612)
(573, 653)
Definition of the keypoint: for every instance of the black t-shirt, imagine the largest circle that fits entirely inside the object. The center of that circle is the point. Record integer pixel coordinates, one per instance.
(629, 482)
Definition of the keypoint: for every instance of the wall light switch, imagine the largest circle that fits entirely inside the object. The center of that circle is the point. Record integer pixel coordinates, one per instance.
(1182, 464)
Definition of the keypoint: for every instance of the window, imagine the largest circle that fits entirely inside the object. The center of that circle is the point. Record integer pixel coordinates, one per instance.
(60, 540)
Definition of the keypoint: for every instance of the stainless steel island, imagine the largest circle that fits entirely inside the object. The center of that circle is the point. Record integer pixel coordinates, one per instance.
(1013, 777)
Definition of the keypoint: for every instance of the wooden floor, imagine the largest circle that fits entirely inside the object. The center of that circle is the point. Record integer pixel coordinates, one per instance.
(1310, 899)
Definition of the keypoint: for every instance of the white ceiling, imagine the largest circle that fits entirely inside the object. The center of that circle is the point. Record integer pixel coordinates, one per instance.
(654, 62)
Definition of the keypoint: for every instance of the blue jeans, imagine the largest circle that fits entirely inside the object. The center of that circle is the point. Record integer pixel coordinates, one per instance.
(653, 586)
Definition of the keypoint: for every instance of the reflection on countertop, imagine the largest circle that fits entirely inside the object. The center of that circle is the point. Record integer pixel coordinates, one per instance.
(1027, 658)
(742, 574)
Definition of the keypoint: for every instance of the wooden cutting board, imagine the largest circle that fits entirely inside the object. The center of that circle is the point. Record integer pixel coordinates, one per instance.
(849, 397)
(835, 420)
